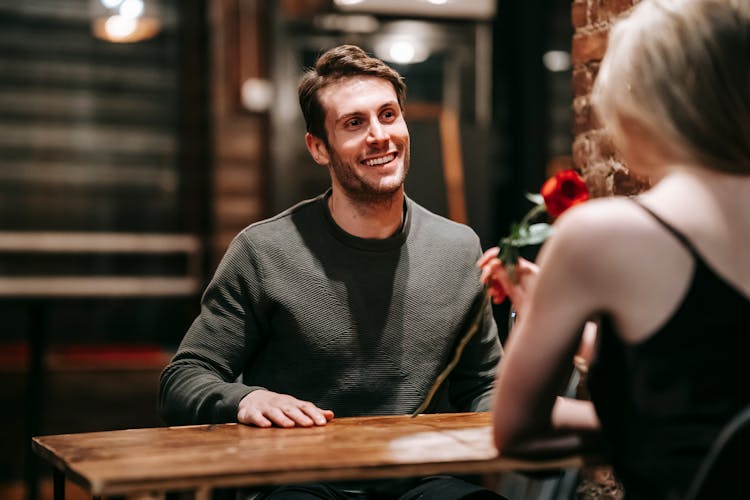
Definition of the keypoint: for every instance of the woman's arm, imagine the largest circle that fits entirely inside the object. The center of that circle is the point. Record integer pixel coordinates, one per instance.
(554, 302)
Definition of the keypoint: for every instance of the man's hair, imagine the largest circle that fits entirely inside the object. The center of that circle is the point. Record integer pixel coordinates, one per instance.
(334, 65)
(681, 70)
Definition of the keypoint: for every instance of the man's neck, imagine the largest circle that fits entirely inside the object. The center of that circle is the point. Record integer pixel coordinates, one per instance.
(377, 220)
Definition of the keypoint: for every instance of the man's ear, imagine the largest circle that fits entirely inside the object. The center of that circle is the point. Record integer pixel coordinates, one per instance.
(317, 148)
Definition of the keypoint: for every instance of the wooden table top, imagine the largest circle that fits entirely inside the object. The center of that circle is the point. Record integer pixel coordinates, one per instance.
(193, 457)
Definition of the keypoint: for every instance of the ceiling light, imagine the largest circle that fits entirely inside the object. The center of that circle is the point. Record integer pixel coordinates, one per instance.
(118, 27)
(124, 21)
(401, 50)
(131, 8)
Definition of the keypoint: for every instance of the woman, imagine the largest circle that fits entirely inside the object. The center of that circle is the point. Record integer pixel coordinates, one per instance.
(668, 273)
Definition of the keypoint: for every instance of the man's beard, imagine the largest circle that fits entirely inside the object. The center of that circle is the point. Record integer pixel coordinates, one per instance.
(359, 189)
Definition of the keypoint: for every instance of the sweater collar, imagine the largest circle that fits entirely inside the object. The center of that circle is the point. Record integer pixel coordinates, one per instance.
(367, 244)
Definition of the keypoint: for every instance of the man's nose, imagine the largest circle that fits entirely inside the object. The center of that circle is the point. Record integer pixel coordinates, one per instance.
(378, 132)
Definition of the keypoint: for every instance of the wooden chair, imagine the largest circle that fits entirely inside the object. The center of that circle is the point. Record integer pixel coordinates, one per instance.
(722, 472)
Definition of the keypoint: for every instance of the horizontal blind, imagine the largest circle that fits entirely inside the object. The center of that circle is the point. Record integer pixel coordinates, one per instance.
(88, 128)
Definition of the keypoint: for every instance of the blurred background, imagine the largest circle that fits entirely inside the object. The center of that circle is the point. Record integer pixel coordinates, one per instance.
(137, 137)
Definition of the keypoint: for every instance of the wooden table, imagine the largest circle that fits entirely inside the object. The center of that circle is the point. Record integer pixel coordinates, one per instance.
(199, 458)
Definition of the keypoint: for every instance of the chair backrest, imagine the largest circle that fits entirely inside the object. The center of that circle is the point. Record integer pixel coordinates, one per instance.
(722, 472)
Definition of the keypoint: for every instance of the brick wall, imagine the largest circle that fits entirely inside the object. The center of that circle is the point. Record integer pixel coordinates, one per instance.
(593, 152)
(596, 157)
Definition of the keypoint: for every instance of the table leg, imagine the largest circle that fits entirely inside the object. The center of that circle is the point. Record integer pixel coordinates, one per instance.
(203, 493)
(35, 392)
(58, 484)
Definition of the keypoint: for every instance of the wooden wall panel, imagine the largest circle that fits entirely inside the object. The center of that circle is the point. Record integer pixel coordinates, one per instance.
(240, 141)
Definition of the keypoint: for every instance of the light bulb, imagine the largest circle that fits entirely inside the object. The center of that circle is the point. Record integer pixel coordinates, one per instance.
(110, 4)
(131, 8)
(402, 52)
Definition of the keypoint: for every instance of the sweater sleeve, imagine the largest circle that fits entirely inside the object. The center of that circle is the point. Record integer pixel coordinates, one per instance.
(200, 383)
(472, 379)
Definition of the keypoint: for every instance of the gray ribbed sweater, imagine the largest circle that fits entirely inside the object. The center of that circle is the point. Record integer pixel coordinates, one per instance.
(358, 326)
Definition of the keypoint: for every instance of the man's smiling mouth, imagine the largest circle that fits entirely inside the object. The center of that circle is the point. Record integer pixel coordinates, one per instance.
(380, 160)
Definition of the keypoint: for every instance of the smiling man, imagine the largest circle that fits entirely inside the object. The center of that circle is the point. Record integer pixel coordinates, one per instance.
(349, 303)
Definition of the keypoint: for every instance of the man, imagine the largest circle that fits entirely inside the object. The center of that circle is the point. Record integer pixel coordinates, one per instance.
(350, 303)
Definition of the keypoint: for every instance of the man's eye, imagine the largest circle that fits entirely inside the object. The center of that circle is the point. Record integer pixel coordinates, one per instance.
(354, 123)
(389, 115)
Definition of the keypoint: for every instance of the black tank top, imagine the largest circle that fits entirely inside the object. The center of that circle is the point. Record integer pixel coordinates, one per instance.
(662, 401)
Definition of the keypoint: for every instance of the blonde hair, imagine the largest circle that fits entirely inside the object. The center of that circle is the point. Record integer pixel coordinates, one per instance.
(681, 70)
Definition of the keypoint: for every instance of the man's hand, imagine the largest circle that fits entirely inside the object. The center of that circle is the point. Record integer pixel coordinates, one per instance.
(499, 284)
(265, 408)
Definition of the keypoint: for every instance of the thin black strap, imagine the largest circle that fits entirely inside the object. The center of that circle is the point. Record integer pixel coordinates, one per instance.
(675, 232)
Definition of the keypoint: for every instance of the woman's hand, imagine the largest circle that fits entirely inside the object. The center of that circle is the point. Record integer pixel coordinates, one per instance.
(498, 281)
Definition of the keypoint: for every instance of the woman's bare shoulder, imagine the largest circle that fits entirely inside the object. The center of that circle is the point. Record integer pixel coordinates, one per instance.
(603, 242)
(604, 223)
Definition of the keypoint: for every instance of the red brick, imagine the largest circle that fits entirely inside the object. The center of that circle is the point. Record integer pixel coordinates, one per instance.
(594, 153)
(578, 14)
(583, 77)
(581, 151)
(593, 146)
(608, 10)
(625, 182)
(584, 118)
(598, 179)
(589, 46)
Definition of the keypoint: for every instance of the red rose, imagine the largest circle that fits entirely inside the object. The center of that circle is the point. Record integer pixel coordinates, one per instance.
(563, 191)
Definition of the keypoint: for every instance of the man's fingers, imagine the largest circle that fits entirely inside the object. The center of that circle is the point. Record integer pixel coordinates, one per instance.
(278, 417)
(486, 273)
(490, 268)
(498, 281)
(298, 416)
(265, 408)
(527, 267)
(488, 255)
(507, 285)
(253, 417)
(496, 291)
(318, 416)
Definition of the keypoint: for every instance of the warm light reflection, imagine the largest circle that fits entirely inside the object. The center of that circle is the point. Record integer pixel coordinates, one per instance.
(119, 27)
(402, 52)
(556, 60)
(257, 94)
(125, 21)
(131, 8)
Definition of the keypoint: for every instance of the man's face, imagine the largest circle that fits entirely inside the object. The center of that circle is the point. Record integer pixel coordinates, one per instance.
(368, 141)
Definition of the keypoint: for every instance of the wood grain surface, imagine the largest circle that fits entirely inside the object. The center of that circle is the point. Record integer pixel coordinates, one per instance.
(205, 456)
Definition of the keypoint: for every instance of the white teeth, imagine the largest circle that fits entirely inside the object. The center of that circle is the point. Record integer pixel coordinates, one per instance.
(380, 161)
